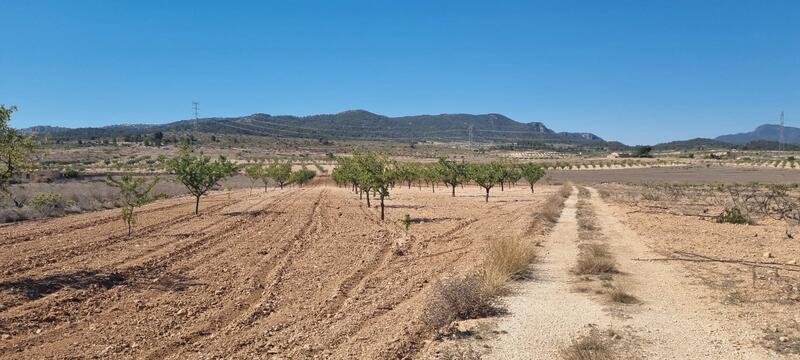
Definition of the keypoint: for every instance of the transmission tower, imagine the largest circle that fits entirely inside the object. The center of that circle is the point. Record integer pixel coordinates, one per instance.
(470, 138)
(781, 139)
(196, 117)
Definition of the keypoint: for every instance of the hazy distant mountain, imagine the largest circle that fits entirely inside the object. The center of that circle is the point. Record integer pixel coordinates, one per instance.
(352, 124)
(767, 132)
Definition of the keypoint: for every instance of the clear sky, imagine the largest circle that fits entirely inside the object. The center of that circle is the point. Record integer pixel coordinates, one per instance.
(635, 71)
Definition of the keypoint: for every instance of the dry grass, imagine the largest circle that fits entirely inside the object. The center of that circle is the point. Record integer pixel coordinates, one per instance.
(595, 259)
(551, 210)
(475, 295)
(619, 295)
(590, 347)
(457, 298)
(507, 259)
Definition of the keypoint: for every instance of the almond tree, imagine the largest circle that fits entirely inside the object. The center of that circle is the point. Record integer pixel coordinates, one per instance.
(255, 172)
(16, 152)
(281, 172)
(452, 173)
(302, 176)
(199, 174)
(135, 192)
(486, 175)
(531, 173)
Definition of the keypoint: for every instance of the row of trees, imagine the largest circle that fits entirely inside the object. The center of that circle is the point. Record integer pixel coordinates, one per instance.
(377, 174)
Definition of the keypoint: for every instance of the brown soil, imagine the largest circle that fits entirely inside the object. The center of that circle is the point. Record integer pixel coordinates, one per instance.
(764, 293)
(294, 273)
(680, 174)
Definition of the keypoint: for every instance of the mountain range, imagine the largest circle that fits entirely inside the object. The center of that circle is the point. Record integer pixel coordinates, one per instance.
(352, 124)
(768, 132)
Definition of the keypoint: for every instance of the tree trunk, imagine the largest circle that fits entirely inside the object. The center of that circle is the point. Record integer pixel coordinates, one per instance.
(129, 227)
(502, 186)
(454, 189)
(360, 194)
(487, 194)
(409, 184)
(381, 207)
(197, 205)
(368, 204)
(531, 188)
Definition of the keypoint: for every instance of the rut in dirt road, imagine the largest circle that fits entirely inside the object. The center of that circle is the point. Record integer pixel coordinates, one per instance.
(546, 313)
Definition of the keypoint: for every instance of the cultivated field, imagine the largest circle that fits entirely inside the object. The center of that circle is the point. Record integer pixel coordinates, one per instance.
(293, 273)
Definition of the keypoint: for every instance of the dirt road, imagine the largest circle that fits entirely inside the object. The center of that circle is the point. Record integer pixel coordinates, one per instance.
(675, 319)
(546, 312)
(295, 273)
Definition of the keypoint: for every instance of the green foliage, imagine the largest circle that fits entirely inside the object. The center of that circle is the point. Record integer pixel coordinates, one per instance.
(255, 172)
(281, 172)
(732, 216)
(531, 173)
(71, 173)
(16, 150)
(50, 203)
(302, 176)
(367, 172)
(134, 192)
(452, 173)
(486, 175)
(199, 174)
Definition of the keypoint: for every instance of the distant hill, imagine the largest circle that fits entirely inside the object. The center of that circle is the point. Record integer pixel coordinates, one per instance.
(692, 144)
(711, 144)
(766, 132)
(353, 124)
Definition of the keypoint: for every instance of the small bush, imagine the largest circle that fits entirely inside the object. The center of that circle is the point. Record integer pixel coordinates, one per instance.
(732, 216)
(590, 347)
(457, 298)
(51, 204)
(619, 295)
(594, 259)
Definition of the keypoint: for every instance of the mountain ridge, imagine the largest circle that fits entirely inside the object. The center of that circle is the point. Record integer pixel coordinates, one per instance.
(349, 124)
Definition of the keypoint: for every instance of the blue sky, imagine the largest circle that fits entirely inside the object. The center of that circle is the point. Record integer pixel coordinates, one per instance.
(634, 71)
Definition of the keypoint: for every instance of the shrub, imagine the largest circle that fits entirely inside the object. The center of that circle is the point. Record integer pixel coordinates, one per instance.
(457, 298)
(732, 216)
(594, 259)
(51, 204)
(619, 295)
(589, 347)
(71, 173)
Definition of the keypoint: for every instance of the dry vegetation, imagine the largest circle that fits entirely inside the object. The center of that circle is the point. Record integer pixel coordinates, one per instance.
(750, 264)
(593, 346)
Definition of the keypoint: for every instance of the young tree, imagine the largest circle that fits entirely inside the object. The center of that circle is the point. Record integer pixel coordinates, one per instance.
(431, 174)
(199, 174)
(486, 175)
(378, 173)
(302, 176)
(281, 172)
(255, 172)
(16, 152)
(510, 174)
(531, 173)
(452, 173)
(135, 192)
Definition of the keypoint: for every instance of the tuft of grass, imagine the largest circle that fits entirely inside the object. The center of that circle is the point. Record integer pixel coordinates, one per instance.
(594, 259)
(618, 295)
(566, 190)
(457, 299)
(590, 347)
(551, 210)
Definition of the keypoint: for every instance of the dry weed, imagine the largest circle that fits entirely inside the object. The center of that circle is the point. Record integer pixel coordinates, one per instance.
(590, 347)
(594, 259)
